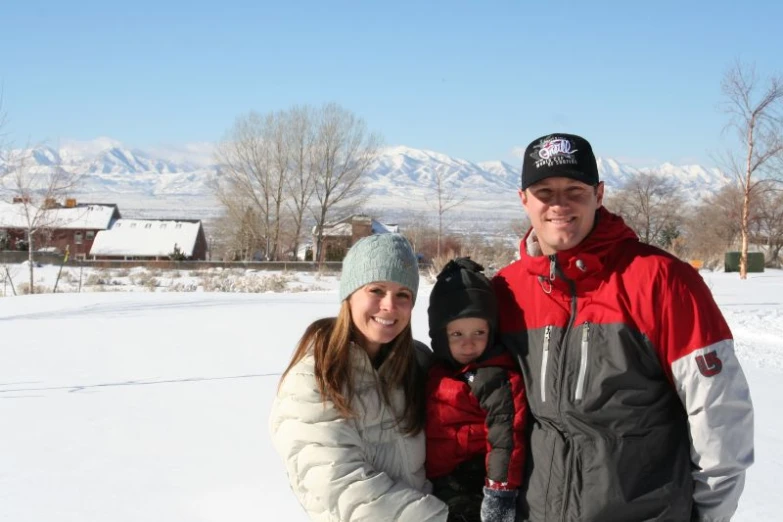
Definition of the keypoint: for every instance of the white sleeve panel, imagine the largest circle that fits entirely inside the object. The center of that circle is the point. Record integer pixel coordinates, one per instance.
(713, 388)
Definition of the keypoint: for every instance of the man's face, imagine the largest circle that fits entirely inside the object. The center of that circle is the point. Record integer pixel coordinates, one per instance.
(562, 211)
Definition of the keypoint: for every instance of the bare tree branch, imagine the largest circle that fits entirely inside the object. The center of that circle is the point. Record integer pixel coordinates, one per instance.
(445, 200)
(301, 180)
(757, 118)
(342, 156)
(36, 190)
(651, 204)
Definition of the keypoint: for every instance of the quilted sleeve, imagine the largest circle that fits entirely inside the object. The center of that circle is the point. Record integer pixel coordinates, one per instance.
(326, 465)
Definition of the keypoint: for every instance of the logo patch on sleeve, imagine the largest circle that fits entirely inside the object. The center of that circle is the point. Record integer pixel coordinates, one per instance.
(709, 364)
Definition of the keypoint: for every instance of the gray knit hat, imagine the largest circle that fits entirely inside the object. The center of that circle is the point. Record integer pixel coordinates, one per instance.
(380, 257)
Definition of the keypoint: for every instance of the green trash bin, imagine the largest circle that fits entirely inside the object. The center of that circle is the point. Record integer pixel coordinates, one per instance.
(731, 261)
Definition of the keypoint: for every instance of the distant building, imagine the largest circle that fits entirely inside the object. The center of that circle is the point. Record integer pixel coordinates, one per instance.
(151, 239)
(70, 225)
(339, 236)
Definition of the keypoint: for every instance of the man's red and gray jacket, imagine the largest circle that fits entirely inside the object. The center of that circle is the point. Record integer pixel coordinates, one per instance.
(639, 408)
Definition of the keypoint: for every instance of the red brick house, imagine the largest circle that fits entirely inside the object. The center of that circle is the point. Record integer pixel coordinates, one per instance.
(339, 236)
(72, 225)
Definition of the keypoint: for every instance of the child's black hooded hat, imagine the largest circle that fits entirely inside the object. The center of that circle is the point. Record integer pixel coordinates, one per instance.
(461, 290)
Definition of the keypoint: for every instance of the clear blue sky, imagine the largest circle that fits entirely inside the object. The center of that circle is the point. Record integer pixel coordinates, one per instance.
(472, 79)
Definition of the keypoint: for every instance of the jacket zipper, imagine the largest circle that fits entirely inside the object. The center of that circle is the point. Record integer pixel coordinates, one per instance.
(545, 360)
(563, 358)
(580, 381)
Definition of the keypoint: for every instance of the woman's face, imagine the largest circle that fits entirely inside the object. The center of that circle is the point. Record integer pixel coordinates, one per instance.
(380, 311)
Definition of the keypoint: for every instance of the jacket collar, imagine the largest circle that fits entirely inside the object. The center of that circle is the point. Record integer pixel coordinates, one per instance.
(584, 260)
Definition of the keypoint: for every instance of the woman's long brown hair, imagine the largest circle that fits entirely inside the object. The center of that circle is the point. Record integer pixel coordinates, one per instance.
(330, 341)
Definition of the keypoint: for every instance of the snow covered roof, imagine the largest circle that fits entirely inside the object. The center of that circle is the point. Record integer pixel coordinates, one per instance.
(344, 226)
(383, 228)
(12, 215)
(91, 217)
(340, 229)
(96, 217)
(146, 237)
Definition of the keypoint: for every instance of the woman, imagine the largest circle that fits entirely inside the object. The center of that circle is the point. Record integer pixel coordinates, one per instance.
(348, 417)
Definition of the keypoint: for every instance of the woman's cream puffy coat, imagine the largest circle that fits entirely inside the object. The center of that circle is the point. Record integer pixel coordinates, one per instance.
(347, 470)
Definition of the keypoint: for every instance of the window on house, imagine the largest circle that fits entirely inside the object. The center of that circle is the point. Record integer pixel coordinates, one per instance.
(148, 225)
(133, 225)
(78, 238)
(179, 225)
(90, 235)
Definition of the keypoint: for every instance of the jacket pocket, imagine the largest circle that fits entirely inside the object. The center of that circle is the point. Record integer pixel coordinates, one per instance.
(545, 361)
(583, 358)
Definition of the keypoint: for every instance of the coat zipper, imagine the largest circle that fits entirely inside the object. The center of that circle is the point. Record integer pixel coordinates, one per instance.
(545, 360)
(563, 358)
(580, 381)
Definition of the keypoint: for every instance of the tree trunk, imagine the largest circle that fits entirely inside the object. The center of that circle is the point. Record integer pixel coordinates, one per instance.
(440, 232)
(744, 235)
(30, 261)
(319, 254)
(744, 222)
(774, 257)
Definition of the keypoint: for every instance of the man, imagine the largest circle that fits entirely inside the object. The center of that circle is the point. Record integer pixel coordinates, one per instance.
(639, 408)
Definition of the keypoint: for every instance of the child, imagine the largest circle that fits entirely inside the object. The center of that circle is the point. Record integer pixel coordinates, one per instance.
(475, 401)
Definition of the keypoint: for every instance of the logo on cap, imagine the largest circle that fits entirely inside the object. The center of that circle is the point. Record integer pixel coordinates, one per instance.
(554, 151)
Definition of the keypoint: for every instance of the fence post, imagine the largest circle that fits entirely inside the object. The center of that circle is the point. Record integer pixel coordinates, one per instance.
(59, 273)
(10, 280)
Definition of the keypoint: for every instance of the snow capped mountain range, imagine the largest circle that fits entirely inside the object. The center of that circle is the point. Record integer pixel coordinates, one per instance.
(402, 177)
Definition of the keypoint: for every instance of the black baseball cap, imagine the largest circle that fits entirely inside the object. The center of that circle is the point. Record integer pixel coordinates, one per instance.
(559, 155)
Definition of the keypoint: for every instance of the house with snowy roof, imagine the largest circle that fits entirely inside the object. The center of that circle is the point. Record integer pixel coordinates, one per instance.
(55, 226)
(340, 235)
(151, 239)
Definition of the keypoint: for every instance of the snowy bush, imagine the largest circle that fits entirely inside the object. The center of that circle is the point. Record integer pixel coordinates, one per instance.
(147, 279)
(183, 287)
(231, 282)
(95, 279)
(24, 289)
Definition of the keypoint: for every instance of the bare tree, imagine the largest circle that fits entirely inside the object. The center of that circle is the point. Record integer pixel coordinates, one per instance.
(35, 190)
(713, 226)
(342, 156)
(239, 228)
(755, 112)
(769, 223)
(651, 205)
(301, 179)
(417, 229)
(445, 199)
(277, 139)
(494, 252)
(253, 166)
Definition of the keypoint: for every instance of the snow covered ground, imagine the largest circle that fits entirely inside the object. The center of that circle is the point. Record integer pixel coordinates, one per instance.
(152, 406)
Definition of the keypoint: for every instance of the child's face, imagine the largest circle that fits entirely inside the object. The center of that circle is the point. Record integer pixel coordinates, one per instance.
(467, 338)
